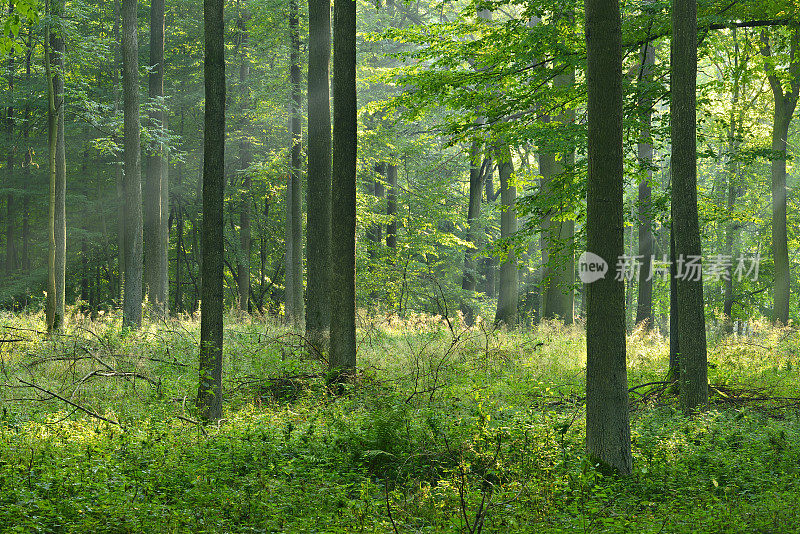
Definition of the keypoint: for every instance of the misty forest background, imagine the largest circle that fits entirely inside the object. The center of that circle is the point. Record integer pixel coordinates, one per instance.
(279, 266)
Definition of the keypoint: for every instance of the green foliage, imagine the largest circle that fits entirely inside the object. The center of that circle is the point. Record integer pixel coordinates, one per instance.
(481, 427)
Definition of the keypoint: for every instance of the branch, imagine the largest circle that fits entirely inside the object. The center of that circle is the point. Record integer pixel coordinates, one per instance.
(78, 406)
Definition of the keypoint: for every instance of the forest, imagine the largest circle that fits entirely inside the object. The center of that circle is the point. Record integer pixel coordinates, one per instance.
(399, 266)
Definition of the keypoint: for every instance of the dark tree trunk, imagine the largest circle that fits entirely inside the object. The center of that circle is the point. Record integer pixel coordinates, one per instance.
(132, 305)
(294, 198)
(509, 278)
(644, 302)
(209, 395)
(11, 220)
(607, 424)
(489, 264)
(318, 230)
(155, 212)
(26, 169)
(785, 103)
(343, 214)
(476, 167)
(391, 206)
(686, 226)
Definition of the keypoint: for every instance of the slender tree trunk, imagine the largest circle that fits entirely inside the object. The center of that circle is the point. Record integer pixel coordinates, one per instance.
(607, 424)
(132, 302)
(559, 265)
(243, 265)
(509, 278)
(489, 263)
(318, 229)
(57, 44)
(733, 179)
(294, 195)
(155, 248)
(644, 308)
(785, 103)
(476, 167)
(209, 395)
(343, 215)
(391, 206)
(11, 220)
(26, 168)
(691, 315)
(52, 141)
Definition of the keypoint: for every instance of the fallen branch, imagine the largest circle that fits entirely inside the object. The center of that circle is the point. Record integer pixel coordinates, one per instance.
(78, 406)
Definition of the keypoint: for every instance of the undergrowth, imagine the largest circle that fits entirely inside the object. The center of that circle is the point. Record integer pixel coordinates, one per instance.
(443, 430)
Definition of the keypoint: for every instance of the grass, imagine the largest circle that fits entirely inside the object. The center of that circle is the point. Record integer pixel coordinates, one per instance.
(443, 431)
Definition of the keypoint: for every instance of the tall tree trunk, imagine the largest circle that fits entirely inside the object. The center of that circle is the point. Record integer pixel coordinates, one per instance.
(476, 167)
(733, 179)
(26, 168)
(391, 206)
(607, 424)
(559, 265)
(209, 395)
(489, 264)
(132, 303)
(343, 214)
(294, 206)
(11, 220)
(119, 175)
(245, 156)
(509, 284)
(155, 246)
(686, 226)
(318, 229)
(785, 103)
(52, 141)
(644, 302)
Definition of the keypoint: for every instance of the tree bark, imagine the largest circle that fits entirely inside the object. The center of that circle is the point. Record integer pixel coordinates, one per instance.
(11, 219)
(245, 156)
(391, 206)
(343, 215)
(785, 103)
(476, 166)
(607, 423)
(509, 278)
(686, 226)
(155, 212)
(209, 395)
(294, 205)
(318, 229)
(132, 302)
(52, 141)
(734, 131)
(644, 302)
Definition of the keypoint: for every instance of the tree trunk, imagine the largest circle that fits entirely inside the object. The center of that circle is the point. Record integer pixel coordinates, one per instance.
(644, 302)
(245, 156)
(785, 103)
(209, 395)
(52, 141)
(132, 304)
(11, 220)
(476, 166)
(318, 229)
(559, 265)
(57, 44)
(691, 315)
(26, 168)
(733, 180)
(294, 196)
(509, 287)
(391, 206)
(155, 247)
(607, 424)
(343, 214)
(489, 264)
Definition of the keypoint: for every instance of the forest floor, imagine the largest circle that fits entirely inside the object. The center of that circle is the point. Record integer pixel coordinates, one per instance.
(442, 431)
